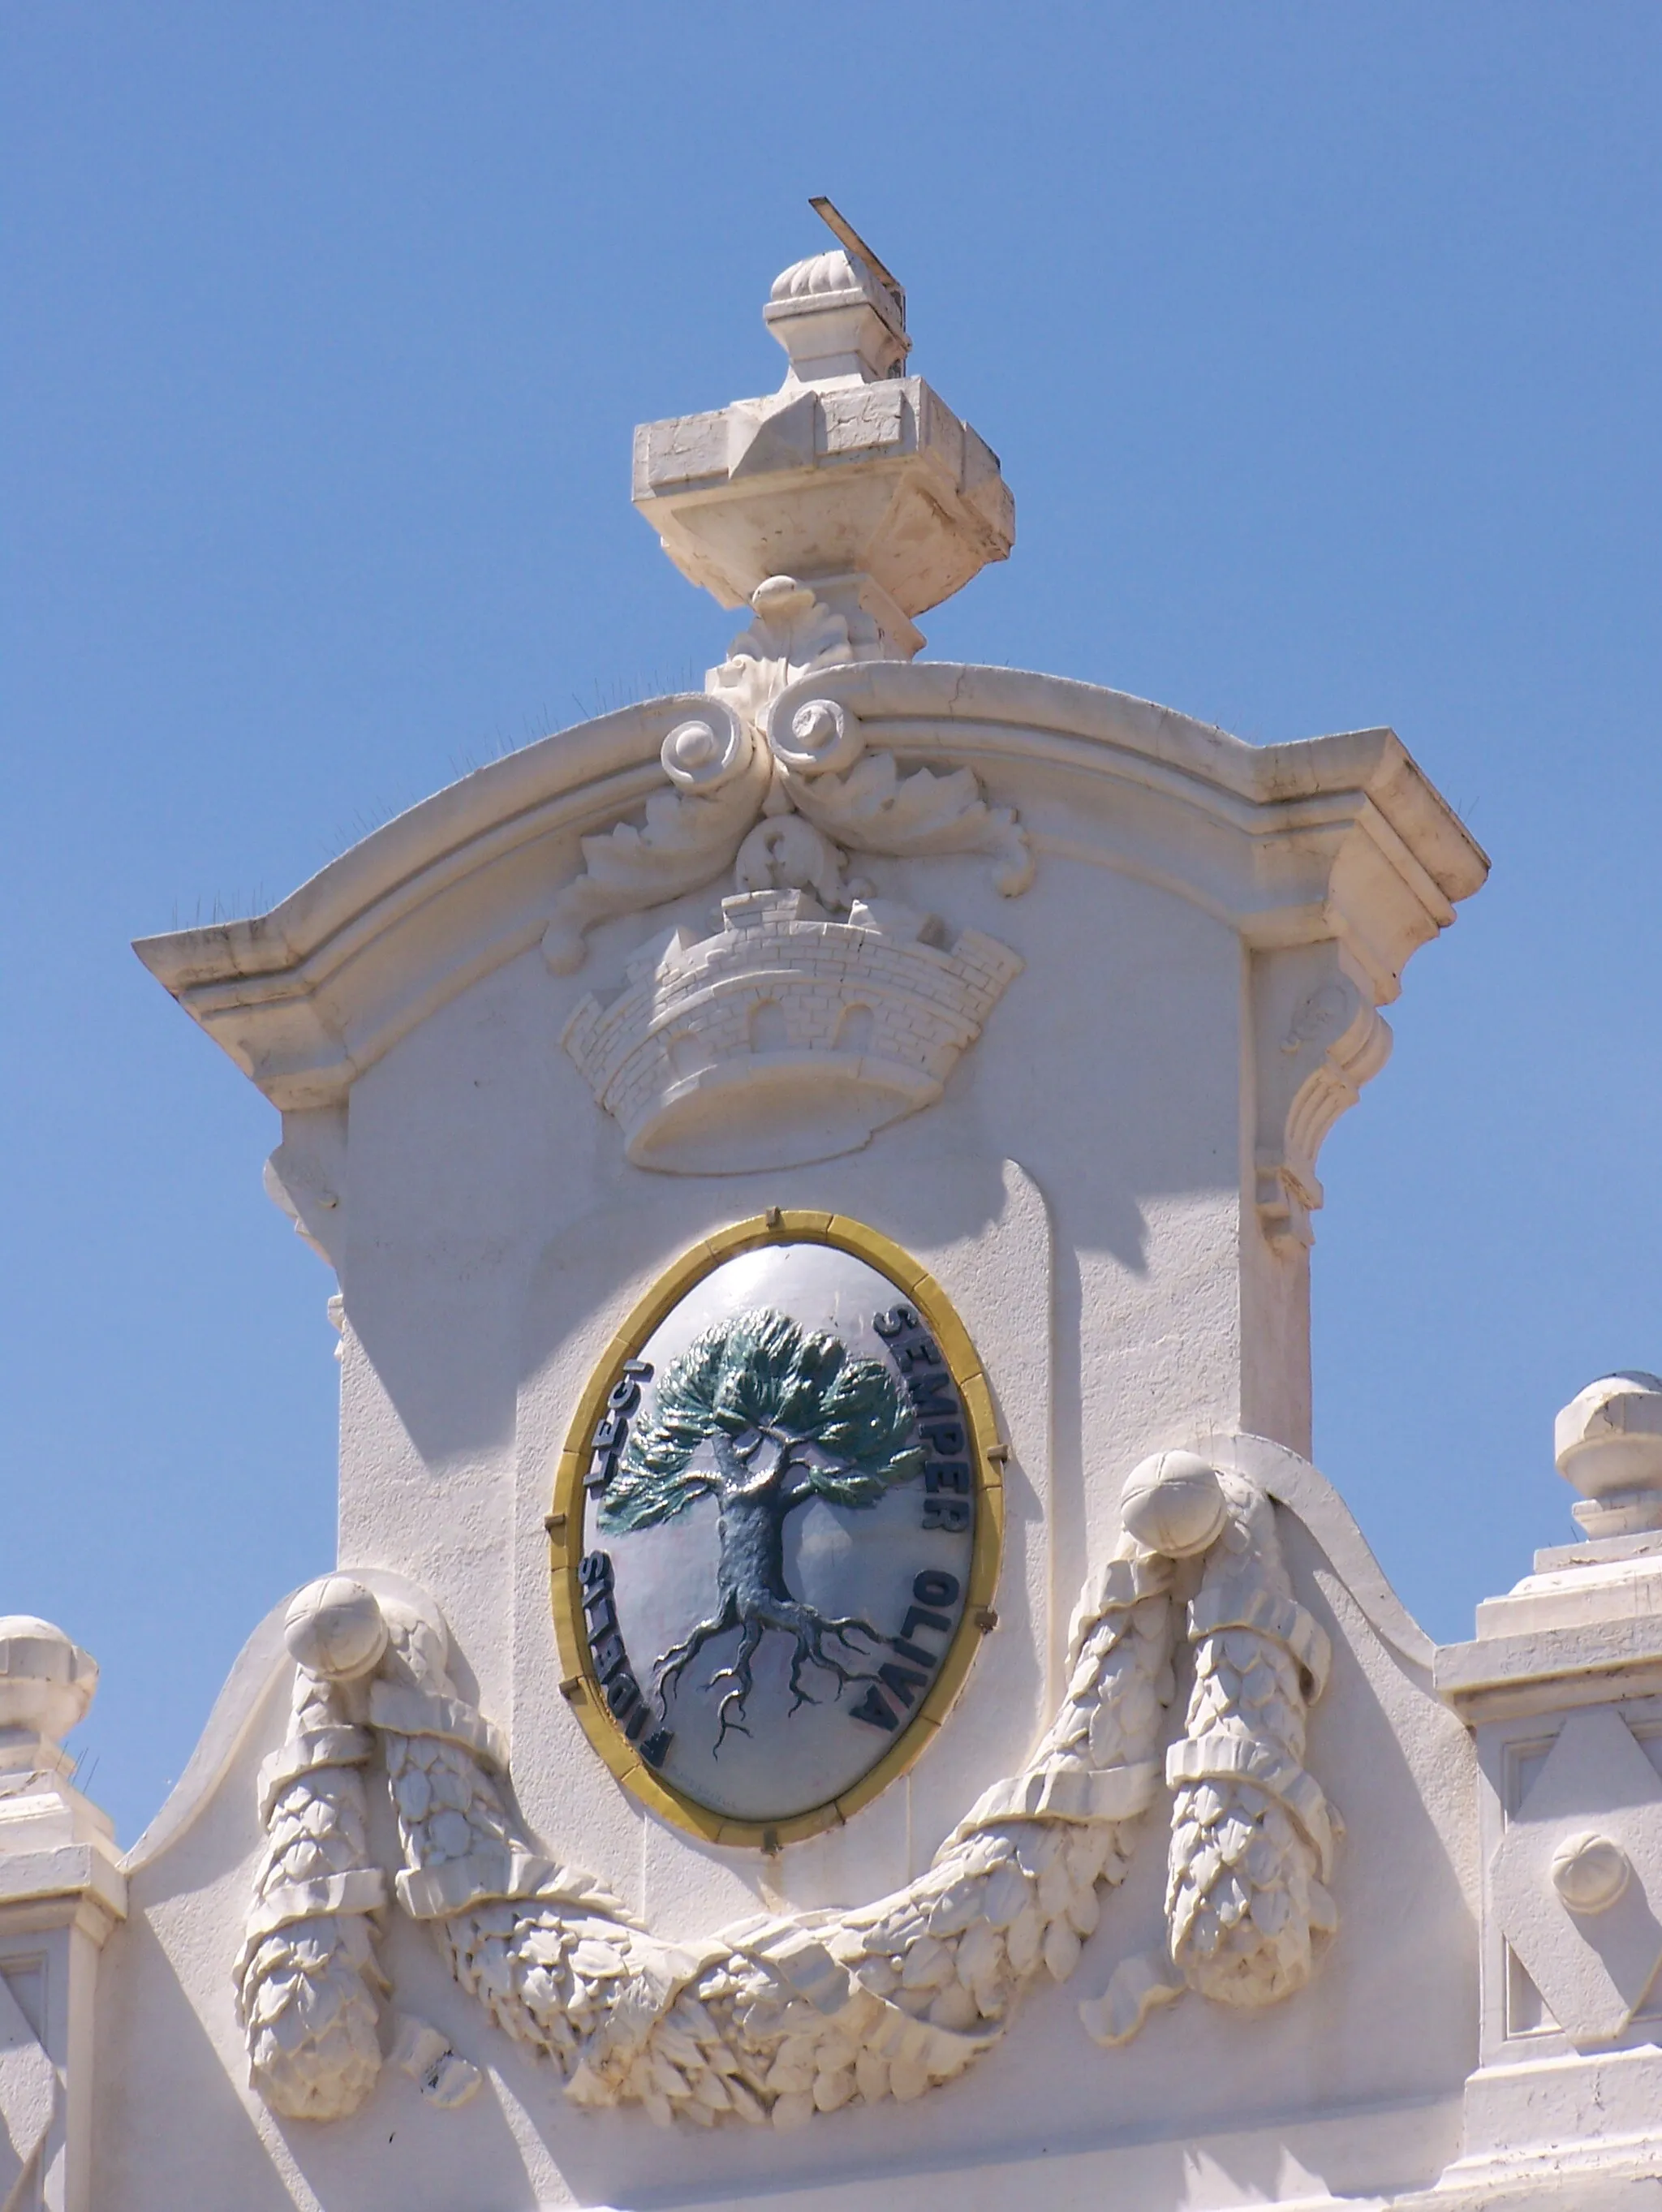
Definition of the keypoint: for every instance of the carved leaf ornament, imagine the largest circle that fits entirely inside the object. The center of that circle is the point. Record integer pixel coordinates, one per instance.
(751, 1400)
(739, 764)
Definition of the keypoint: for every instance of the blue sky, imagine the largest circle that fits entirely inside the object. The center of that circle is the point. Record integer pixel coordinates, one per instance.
(1319, 345)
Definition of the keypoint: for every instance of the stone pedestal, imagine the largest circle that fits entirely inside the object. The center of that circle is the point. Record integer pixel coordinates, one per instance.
(1563, 1688)
(62, 1891)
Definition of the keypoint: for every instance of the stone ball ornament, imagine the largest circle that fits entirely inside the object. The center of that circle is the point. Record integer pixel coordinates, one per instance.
(1172, 1503)
(1608, 1442)
(47, 1681)
(335, 1628)
(1590, 1871)
(706, 752)
(822, 737)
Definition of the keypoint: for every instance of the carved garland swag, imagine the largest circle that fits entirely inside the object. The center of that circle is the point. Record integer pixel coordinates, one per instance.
(776, 2018)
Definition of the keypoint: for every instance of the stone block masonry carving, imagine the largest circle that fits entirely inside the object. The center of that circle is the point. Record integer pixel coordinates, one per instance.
(788, 1036)
(777, 2018)
(793, 1034)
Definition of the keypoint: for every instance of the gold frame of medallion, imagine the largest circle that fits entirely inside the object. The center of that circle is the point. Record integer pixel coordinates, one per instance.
(778, 1225)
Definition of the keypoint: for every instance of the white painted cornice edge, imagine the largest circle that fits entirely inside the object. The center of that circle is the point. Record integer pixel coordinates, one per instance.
(462, 821)
(1339, 836)
(1007, 703)
(305, 998)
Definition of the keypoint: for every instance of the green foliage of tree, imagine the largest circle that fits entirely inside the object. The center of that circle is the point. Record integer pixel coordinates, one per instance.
(787, 1415)
(793, 1399)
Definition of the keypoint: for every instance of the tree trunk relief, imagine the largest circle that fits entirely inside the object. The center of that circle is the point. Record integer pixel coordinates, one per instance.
(752, 1594)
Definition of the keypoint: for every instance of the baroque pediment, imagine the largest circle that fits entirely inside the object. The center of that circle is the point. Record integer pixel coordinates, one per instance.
(850, 1674)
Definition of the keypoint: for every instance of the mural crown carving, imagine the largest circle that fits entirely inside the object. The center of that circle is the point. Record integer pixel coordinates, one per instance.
(788, 1036)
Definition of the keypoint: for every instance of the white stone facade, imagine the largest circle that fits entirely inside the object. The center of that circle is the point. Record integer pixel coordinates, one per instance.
(1202, 1878)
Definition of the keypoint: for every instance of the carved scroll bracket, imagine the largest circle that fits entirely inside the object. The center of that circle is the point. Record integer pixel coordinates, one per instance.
(797, 630)
(863, 800)
(1319, 1037)
(719, 774)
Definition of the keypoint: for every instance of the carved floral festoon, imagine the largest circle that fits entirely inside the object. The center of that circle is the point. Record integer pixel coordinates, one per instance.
(780, 2017)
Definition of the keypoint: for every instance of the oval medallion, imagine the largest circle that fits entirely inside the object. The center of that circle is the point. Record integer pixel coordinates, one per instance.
(776, 1530)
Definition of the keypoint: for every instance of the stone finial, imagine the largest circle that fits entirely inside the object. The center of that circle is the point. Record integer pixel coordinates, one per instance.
(853, 482)
(1589, 1870)
(47, 1682)
(837, 320)
(1608, 1442)
(1173, 1503)
(335, 1627)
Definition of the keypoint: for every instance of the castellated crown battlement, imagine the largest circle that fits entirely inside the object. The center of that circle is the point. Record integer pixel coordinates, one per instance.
(788, 1032)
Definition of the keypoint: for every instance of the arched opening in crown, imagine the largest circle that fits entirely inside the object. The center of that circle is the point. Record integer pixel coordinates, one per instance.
(854, 1032)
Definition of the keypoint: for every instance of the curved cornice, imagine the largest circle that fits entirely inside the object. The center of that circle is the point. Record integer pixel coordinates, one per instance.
(1331, 836)
(306, 997)
(1011, 716)
(1293, 1481)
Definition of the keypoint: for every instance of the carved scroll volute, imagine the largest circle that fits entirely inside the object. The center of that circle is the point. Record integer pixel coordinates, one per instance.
(861, 797)
(718, 777)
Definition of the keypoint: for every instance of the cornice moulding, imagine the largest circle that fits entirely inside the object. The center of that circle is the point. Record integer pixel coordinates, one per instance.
(458, 824)
(1294, 1482)
(308, 996)
(1373, 761)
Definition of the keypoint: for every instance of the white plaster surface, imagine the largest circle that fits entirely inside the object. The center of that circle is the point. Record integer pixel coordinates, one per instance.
(1597, 1804)
(1126, 1294)
(28, 2097)
(1113, 1175)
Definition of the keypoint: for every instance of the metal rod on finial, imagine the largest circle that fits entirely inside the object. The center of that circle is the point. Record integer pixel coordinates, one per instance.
(845, 234)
